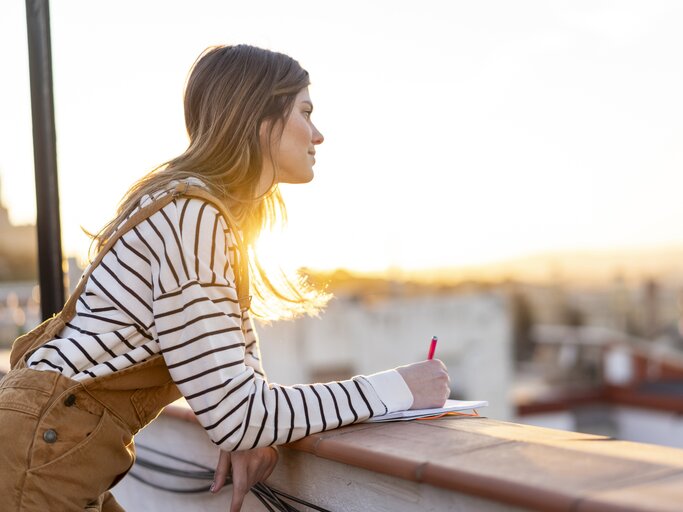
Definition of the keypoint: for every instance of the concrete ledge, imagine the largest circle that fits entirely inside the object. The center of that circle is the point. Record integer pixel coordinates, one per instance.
(323, 482)
(517, 465)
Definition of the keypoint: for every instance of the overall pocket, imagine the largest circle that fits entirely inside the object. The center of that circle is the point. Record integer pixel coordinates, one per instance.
(71, 479)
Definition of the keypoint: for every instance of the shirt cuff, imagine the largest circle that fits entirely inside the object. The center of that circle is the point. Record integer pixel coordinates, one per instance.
(392, 390)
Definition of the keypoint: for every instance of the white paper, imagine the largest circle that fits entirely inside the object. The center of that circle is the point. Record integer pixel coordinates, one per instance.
(450, 405)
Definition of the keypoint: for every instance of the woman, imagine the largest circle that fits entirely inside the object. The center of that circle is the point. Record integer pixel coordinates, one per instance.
(164, 309)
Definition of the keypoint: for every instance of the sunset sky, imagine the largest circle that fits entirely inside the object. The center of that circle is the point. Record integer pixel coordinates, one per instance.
(457, 133)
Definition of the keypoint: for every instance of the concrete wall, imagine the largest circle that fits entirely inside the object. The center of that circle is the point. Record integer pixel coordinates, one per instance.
(325, 483)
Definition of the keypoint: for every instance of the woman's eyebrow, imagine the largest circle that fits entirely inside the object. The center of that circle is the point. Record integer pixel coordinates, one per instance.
(306, 102)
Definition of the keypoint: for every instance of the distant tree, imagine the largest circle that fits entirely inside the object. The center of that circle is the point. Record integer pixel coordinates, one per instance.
(522, 315)
(573, 316)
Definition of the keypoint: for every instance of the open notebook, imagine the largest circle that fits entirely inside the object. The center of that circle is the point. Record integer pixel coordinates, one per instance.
(449, 406)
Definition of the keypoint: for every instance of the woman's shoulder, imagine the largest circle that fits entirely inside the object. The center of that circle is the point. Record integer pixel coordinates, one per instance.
(186, 206)
(179, 235)
(186, 217)
(172, 188)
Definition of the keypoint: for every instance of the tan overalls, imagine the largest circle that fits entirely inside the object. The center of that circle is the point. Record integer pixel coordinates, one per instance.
(64, 443)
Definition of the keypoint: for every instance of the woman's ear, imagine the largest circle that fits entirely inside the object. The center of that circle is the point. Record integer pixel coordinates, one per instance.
(266, 142)
(268, 168)
(263, 131)
(266, 132)
(270, 132)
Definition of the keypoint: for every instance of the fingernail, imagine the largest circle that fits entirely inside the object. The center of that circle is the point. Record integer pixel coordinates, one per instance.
(213, 486)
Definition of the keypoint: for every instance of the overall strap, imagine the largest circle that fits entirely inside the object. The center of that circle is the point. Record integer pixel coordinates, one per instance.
(24, 345)
(182, 189)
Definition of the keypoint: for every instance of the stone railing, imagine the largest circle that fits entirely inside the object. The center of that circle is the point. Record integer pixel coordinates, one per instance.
(456, 463)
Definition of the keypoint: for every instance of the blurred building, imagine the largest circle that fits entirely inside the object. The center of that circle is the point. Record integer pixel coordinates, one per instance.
(18, 251)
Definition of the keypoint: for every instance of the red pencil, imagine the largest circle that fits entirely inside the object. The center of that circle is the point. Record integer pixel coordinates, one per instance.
(432, 347)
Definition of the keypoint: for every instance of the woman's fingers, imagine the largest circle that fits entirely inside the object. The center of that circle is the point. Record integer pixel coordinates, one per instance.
(274, 458)
(248, 468)
(240, 484)
(222, 471)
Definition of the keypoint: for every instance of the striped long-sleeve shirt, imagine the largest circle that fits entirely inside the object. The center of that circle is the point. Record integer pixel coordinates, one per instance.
(168, 286)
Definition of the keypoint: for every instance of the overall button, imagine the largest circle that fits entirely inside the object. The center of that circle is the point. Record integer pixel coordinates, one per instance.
(50, 436)
(70, 400)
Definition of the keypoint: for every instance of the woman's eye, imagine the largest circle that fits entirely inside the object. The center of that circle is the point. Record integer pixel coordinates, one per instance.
(307, 113)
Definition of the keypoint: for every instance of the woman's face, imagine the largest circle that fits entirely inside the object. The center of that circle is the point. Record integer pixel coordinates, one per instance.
(294, 152)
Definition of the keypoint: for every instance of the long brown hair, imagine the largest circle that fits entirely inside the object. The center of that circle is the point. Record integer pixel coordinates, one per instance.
(230, 92)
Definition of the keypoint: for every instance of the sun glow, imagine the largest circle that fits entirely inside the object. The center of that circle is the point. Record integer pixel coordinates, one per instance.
(276, 251)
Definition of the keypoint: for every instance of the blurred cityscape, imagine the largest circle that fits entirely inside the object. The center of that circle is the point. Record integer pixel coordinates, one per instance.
(598, 352)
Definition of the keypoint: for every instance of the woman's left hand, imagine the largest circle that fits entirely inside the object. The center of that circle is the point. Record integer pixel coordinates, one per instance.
(248, 468)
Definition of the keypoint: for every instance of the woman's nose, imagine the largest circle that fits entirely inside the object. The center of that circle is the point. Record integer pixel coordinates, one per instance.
(317, 136)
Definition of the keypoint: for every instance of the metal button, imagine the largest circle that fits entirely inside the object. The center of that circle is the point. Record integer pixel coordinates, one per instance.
(50, 436)
(70, 400)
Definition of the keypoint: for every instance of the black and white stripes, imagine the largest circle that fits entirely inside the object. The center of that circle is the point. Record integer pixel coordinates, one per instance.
(167, 287)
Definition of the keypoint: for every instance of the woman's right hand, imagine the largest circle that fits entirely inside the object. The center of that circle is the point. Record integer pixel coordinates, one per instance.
(428, 382)
(247, 467)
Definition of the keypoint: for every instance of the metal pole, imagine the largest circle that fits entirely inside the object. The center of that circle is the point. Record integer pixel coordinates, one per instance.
(45, 158)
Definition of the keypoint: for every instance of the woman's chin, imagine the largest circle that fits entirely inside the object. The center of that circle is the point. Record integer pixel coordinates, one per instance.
(299, 178)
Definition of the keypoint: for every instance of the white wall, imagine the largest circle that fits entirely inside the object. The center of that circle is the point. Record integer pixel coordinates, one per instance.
(369, 336)
(649, 426)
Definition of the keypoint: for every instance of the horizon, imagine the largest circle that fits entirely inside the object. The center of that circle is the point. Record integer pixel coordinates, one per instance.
(608, 266)
(593, 265)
